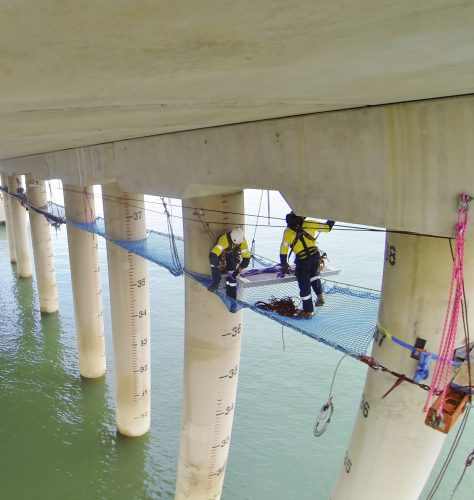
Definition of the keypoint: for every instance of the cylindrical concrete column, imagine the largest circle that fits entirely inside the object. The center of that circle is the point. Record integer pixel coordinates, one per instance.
(211, 358)
(85, 279)
(8, 221)
(2, 210)
(20, 233)
(41, 243)
(130, 308)
(392, 451)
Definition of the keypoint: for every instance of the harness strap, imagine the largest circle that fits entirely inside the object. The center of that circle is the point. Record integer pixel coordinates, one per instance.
(301, 234)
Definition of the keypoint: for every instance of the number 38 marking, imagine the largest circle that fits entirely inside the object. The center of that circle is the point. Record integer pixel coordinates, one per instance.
(390, 254)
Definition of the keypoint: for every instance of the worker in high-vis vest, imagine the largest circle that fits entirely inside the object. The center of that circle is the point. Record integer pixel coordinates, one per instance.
(229, 254)
(299, 237)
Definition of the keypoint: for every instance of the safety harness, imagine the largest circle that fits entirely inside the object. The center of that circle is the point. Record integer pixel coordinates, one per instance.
(232, 252)
(301, 234)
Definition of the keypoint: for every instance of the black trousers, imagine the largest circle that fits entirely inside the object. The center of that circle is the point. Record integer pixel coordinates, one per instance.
(307, 274)
(224, 265)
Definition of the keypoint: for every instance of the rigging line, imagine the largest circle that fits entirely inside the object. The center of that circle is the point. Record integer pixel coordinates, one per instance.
(449, 456)
(465, 321)
(334, 376)
(173, 247)
(336, 227)
(246, 214)
(258, 216)
(268, 206)
(185, 206)
(327, 409)
(467, 464)
(118, 200)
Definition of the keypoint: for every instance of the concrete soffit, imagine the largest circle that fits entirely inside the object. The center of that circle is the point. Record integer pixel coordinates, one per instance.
(399, 166)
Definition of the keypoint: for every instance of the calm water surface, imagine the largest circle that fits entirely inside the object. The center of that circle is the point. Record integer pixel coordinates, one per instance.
(57, 431)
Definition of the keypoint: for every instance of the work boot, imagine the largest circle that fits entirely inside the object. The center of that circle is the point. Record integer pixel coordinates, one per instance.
(320, 301)
(304, 314)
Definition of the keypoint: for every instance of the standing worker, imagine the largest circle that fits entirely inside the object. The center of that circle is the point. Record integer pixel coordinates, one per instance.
(230, 253)
(299, 237)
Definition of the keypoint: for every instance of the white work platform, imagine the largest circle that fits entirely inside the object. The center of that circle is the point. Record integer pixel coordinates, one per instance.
(249, 278)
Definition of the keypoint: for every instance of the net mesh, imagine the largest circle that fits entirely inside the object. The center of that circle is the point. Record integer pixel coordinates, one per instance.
(345, 322)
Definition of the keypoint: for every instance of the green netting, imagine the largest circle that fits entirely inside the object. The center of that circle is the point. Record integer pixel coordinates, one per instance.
(346, 321)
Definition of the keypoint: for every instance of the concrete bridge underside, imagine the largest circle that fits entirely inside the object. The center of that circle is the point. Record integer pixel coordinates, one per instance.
(399, 166)
(197, 98)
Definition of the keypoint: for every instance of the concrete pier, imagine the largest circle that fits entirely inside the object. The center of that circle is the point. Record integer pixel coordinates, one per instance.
(211, 359)
(41, 243)
(130, 308)
(415, 292)
(19, 231)
(2, 210)
(8, 221)
(85, 279)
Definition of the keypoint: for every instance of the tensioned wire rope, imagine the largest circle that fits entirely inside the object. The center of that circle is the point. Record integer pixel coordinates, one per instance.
(337, 226)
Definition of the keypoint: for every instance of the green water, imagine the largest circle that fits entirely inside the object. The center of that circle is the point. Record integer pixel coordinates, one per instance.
(57, 431)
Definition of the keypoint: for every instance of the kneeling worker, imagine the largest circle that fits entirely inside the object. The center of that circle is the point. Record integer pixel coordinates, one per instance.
(230, 253)
(299, 236)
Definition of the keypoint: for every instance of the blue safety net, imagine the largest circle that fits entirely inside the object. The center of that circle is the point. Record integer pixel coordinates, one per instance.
(346, 321)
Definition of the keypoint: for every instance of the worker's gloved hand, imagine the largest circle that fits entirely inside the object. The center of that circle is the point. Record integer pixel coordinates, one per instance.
(236, 273)
(285, 268)
(213, 287)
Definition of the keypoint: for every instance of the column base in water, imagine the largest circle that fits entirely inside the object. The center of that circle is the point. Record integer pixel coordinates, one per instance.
(392, 452)
(42, 251)
(211, 359)
(86, 282)
(130, 308)
(19, 231)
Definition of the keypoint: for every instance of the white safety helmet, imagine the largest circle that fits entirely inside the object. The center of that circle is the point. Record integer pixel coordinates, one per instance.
(237, 236)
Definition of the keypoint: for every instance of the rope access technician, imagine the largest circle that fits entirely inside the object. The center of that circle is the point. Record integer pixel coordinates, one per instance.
(299, 237)
(230, 253)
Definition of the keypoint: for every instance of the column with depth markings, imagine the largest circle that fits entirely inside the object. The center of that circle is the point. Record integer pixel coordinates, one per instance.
(391, 451)
(20, 233)
(211, 359)
(86, 282)
(8, 221)
(41, 243)
(129, 302)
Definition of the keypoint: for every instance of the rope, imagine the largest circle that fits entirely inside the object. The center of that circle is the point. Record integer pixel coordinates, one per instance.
(54, 220)
(467, 464)
(173, 248)
(442, 373)
(284, 306)
(326, 411)
(283, 338)
(199, 212)
(338, 226)
(449, 456)
(268, 206)
(252, 248)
